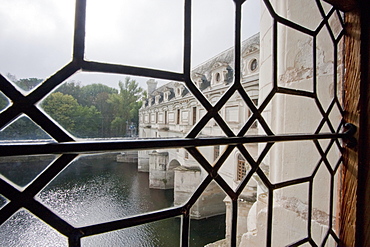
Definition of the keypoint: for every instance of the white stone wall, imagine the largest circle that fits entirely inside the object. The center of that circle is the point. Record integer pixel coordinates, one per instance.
(235, 112)
(288, 114)
(174, 117)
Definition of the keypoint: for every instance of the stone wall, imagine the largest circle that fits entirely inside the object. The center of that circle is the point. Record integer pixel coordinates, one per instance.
(210, 203)
(288, 114)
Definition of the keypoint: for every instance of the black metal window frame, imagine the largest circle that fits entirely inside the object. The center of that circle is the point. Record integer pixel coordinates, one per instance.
(70, 148)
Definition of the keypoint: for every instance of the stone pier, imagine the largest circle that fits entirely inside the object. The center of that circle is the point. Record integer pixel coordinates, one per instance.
(143, 161)
(127, 157)
(160, 176)
(166, 172)
(210, 203)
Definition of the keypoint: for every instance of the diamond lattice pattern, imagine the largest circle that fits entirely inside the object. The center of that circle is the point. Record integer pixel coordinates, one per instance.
(312, 73)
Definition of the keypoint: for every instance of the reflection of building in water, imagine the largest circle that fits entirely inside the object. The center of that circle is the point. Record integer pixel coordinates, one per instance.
(172, 111)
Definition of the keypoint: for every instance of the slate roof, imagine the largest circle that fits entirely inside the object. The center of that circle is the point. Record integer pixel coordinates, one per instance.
(225, 57)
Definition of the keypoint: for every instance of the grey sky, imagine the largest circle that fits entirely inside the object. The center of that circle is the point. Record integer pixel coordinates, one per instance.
(36, 35)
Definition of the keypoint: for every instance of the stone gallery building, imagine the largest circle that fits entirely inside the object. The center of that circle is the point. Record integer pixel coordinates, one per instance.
(302, 89)
(294, 76)
(172, 111)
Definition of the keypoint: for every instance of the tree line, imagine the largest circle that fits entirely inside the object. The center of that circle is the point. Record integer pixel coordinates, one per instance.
(90, 111)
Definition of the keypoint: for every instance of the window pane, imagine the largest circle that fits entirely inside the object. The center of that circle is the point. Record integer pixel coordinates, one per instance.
(20, 229)
(38, 39)
(137, 33)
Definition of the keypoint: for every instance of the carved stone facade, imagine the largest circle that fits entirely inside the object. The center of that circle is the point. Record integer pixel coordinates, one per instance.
(172, 111)
(303, 64)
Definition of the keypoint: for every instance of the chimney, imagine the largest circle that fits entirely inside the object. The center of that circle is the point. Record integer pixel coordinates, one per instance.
(152, 85)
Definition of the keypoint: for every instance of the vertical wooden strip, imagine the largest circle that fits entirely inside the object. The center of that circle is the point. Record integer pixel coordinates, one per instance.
(352, 64)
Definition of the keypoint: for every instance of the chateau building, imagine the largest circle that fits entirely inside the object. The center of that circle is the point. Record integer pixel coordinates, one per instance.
(172, 111)
(296, 79)
(307, 73)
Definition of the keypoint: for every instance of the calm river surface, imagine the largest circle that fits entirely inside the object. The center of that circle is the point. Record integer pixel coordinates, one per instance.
(96, 189)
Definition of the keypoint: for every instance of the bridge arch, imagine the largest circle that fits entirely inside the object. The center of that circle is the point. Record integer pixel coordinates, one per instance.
(173, 164)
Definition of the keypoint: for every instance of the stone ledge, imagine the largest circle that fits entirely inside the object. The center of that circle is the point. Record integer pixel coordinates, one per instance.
(188, 168)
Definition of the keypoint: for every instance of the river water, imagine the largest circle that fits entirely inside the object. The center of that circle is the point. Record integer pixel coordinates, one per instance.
(96, 189)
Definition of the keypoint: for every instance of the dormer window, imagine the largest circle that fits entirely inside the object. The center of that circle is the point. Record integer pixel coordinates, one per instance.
(150, 101)
(198, 79)
(198, 82)
(250, 65)
(253, 65)
(157, 98)
(179, 90)
(250, 60)
(219, 72)
(166, 94)
(145, 103)
(218, 77)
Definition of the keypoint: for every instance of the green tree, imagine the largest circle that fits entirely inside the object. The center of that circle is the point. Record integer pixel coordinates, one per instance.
(11, 77)
(82, 121)
(71, 88)
(93, 95)
(23, 129)
(28, 83)
(126, 105)
(97, 95)
(87, 121)
(118, 126)
(62, 108)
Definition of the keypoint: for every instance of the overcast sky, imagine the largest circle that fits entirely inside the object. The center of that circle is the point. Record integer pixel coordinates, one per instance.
(36, 35)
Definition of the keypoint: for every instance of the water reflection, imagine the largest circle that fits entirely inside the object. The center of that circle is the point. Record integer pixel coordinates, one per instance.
(24, 229)
(21, 170)
(96, 189)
